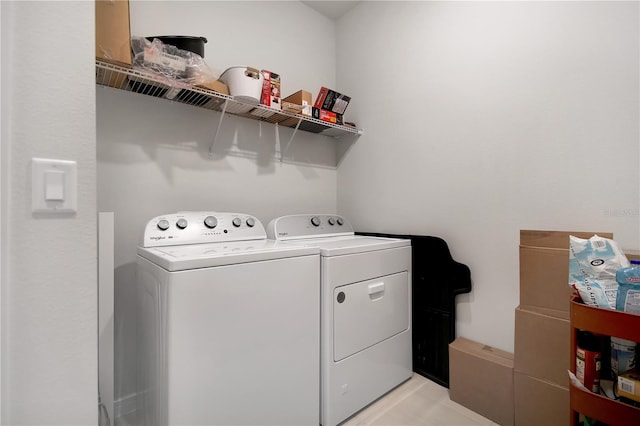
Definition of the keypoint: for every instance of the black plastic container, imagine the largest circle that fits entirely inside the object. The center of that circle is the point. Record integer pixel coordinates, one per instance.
(189, 43)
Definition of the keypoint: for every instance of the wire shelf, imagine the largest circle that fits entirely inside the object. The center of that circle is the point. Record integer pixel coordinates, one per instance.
(132, 80)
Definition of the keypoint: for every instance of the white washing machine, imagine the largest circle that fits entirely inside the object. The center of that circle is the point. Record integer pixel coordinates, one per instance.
(365, 311)
(228, 329)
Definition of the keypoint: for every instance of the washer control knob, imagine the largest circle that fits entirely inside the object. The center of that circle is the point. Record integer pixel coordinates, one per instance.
(315, 221)
(210, 222)
(331, 221)
(236, 222)
(250, 222)
(340, 221)
(181, 223)
(163, 225)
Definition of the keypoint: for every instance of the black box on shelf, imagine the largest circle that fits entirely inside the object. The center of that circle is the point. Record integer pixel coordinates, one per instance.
(331, 100)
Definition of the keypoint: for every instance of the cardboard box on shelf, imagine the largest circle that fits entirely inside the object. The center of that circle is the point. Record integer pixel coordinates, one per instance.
(538, 402)
(542, 344)
(113, 33)
(544, 268)
(281, 119)
(481, 379)
(291, 107)
(301, 97)
(216, 86)
(629, 385)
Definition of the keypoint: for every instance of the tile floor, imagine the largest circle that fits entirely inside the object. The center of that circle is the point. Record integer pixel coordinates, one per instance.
(417, 402)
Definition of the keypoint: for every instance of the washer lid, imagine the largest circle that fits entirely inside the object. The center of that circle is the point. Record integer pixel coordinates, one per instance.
(194, 256)
(340, 246)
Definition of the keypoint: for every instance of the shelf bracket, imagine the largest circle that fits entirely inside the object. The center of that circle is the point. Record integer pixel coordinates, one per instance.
(215, 136)
(293, 135)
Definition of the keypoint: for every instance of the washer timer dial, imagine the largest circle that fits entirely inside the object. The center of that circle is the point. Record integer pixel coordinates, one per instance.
(210, 222)
(163, 225)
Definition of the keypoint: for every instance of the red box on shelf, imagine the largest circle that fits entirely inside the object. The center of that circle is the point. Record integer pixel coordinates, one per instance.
(328, 116)
(270, 89)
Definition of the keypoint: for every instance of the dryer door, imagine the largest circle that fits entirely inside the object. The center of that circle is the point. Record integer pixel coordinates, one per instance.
(369, 312)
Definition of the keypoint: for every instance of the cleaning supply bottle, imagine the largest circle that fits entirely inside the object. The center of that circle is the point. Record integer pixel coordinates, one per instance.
(628, 298)
(589, 360)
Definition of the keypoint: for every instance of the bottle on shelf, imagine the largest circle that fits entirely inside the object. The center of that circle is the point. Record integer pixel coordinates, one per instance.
(589, 360)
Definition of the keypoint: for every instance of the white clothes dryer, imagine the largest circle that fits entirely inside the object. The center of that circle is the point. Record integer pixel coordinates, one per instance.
(228, 327)
(365, 311)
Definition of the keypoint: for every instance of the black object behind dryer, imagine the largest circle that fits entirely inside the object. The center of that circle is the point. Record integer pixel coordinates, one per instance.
(436, 281)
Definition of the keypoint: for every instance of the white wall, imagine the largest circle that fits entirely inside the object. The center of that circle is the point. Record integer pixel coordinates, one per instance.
(49, 289)
(153, 154)
(484, 118)
(4, 27)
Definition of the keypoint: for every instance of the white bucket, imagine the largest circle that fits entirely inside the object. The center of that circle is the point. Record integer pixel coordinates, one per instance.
(245, 83)
(623, 355)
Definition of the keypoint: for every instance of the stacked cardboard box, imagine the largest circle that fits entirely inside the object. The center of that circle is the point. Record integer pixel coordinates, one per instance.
(632, 254)
(542, 334)
(531, 386)
(113, 36)
(113, 39)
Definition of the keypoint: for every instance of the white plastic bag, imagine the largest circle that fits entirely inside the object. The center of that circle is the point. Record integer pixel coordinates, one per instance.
(176, 67)
(592, 269)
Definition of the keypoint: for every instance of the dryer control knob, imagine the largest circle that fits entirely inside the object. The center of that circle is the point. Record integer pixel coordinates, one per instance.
(182, 223)
(210, 222)
(250, 222)
(163, 225)
(236, 222)
(315, 221)
(331, 221)
(340, 221)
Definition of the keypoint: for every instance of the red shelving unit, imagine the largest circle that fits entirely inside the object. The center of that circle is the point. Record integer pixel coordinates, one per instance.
(608, 323)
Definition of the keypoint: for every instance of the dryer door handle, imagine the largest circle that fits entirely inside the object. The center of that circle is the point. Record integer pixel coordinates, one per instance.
(376, 291)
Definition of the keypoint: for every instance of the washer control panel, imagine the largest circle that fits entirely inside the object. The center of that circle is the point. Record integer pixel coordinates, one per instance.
(308, 226)
(201, 227)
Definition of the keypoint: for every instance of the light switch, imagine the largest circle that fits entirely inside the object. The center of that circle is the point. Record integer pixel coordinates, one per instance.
(53, 186)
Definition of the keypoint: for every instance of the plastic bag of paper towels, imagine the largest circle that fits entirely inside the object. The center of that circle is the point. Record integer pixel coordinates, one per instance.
(592, 269)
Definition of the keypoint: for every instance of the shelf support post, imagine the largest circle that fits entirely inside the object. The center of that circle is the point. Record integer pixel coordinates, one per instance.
(293, 135)
(215, 136)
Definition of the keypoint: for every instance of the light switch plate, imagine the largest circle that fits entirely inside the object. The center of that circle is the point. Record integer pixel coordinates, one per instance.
(54, 186)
